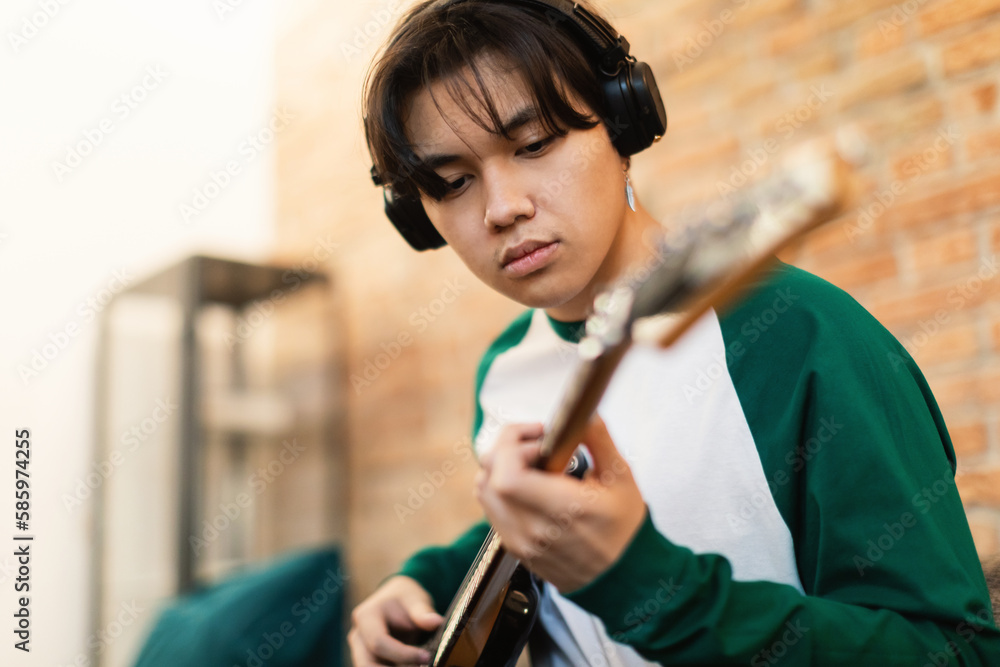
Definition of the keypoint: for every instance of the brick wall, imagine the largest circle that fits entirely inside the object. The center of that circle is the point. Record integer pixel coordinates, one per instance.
(744, 81)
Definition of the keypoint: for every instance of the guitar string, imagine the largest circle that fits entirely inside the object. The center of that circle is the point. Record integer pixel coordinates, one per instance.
(483, 560)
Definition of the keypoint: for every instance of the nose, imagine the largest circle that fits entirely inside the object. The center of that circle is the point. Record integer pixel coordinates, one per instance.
(508, 199)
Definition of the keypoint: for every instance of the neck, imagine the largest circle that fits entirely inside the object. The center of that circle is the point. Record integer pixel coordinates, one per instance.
(630, 251)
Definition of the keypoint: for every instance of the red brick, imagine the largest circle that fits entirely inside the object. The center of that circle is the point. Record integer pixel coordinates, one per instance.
(824, 62)
(833, 237)
(953, 200)
(942, 343)
(686, 117)
(758, 10)
(878, 40)
(676, 45)
(830, 243)
(944, 249)
(915, 164)
(918, 115)
(840, 14)
(943, 15)
(750, 91)
(890, 125)
(707, 69)
(954, 392)
(860, 225)
(644, 28)
(969, 438)
(978, 283)
(980, 487)
(721, 150)
(787, 117)
(983, 146)
(675, 189)
(877, 79)
(860, 269)
(672, 12)
(969, 52)
(984, 533)
(794, 35)
(901, 310)
(975, 99)
(989, 387)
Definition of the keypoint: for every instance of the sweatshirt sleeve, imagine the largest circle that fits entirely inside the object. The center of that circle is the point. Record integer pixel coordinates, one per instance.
(677, 607)
(861, 467)
(441, 569)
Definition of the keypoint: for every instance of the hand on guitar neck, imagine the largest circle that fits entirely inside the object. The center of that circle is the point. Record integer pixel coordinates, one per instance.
(565, 530)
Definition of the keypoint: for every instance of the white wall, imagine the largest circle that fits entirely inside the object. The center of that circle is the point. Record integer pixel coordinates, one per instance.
(196, 76)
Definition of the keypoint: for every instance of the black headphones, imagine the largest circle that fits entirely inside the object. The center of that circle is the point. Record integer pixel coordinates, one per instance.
(633, 103)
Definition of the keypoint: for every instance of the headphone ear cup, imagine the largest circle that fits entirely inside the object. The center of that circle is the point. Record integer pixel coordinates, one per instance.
(651, 111)
(637, 114)
(408, 216)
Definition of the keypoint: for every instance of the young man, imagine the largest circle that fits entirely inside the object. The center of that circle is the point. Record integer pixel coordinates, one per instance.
(798, 506)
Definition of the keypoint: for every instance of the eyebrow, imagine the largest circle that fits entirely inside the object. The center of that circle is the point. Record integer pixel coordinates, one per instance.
(522, 117)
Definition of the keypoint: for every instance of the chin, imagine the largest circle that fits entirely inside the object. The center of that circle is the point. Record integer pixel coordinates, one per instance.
(541, 295)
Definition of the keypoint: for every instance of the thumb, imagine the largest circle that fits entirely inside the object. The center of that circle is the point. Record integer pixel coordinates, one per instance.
(420, 611)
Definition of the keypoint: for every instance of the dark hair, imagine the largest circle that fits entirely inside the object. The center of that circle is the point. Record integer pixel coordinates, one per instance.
(433, 43)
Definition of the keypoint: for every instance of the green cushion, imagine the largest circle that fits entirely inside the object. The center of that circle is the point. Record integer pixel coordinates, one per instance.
(287, 613)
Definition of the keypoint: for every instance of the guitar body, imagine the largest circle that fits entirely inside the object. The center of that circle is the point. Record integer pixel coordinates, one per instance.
(497, 625)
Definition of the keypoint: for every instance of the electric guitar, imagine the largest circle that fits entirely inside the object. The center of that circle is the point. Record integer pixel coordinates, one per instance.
(702, 266)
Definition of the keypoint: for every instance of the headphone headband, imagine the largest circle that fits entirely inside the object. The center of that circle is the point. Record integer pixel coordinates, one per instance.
(603, 43)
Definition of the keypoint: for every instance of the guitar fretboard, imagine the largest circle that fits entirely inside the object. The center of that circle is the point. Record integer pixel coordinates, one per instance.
(470, 588)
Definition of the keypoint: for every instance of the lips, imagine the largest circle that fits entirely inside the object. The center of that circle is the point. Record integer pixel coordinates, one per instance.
(520, 250)
(527, 257)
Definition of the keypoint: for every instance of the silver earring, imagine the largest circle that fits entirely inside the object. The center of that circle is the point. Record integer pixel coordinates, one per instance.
(629, 194)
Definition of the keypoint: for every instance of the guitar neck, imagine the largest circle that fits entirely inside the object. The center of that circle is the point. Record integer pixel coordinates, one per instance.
(578, 405)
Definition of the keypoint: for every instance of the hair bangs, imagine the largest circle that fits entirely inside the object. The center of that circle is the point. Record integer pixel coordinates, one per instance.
(456, 45)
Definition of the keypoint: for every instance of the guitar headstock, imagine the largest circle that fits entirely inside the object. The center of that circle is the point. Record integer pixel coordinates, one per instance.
(702, 265)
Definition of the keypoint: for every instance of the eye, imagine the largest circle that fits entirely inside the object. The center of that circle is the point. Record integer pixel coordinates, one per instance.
(456, 186)
(536, 147)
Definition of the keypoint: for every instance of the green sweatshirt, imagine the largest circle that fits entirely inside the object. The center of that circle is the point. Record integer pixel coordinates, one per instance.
(800, 486)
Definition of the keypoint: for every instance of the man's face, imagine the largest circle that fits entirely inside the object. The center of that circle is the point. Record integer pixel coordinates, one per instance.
(537, 217)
